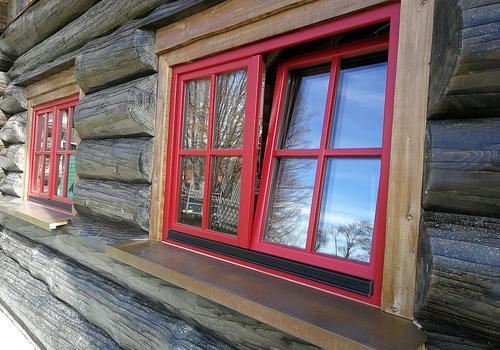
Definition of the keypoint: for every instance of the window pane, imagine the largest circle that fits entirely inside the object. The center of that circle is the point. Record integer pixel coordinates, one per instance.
(230, 109)
(290, 202)
(192, 186)
(225, 194)
(196, 107)
(50, 118)
(41, 132)
(308, 89)
(71, 175)
(38, 168)
(46, 176)
(359, 106)
(347, 212)
(74, 135)
(63, 126)
(58, 190)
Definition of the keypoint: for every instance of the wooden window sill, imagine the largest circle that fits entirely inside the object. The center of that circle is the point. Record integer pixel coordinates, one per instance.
(36, 214)
(324, 319)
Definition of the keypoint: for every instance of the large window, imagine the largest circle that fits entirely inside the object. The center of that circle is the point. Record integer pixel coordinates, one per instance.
(53, 147)
(280, 158)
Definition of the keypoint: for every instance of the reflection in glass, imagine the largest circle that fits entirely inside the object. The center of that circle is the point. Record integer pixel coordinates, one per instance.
(230, 109)
(41, 132)
(225, 194)
(74, 139)
(48, 138)
(63, 126)
(308, 89)
(58, 190)
(290, 202)
(192, 186)
(71, 175)
(347, 211)
(46, 172)
(196, 107)
(39, 172)
(359, 105)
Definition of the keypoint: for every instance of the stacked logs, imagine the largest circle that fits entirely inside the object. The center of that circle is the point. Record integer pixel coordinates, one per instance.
(459, 249)
(115, 121)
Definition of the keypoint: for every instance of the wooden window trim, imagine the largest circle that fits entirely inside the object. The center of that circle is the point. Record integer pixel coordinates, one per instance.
(408, 130)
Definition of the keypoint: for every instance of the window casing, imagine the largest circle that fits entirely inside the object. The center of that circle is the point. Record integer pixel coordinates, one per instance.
(251, 235)
(52, 156)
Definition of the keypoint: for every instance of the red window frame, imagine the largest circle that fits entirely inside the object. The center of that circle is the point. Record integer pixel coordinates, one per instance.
(54, 107)
(252, 237)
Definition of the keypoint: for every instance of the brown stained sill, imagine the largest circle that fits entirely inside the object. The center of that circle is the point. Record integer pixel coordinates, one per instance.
(36, 214)
(321, 318)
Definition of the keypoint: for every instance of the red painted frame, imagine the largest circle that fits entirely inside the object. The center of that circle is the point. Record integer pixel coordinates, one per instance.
(54, 107)
(390, 13)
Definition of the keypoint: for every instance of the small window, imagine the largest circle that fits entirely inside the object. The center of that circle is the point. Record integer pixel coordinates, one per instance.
(280, 159)
(53, 147)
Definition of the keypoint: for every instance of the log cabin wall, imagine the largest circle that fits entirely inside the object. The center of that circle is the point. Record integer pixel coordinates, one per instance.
(91, 301)
(459, 251)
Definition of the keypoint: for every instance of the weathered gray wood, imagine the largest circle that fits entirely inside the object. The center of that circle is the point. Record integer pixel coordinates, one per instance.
(55, 324)
(3, 120)
(14, 99)
(123, 110)
(12, 184)
(96, 21)
(5, 61)
(127, 160)
(12, 158)
(458, 278)
(38, 22)
(4, 82)
(463, 167)
(2, 174)
(120, 201)
(465, 65)
(119, 57)
(128, 318)
(14, 130)
(83, 240)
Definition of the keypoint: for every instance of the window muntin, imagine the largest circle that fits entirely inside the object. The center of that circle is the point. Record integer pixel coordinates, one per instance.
(53, 153)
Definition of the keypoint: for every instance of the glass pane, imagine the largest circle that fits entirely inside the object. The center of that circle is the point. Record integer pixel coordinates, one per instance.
(50, 125)
(225, 194)
(359, 106)
(308, 89)
(46, 175)
(196, 107)
(58, 190)
(290, 202)
(348, 206)
(63, 126)
(41, 132)
(192, 186)
(71, 175)
(38, 168)
(230, 109)
(74, 139)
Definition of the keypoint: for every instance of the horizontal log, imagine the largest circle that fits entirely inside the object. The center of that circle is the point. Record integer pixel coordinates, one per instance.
(465, 63)
(38, 22)
(458, 279)
(132, 321)
(14, 99)
(4, 82)
(123, 55)
(14, 130)
(5, 61)
(95, 22)
(3, 120)
(128, 203)
(128, 160)
(12, 158)
(123, 110)
(463, 167)
(12, 184)
(55, 324)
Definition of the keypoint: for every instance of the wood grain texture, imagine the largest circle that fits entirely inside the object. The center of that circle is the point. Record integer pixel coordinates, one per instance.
(56, 81)
(463, 167)
(124, 55)
(128, 318)
(14, 130)
(459, 274)
(123, 110)
(128, 203)
(96, 21)
(55, 324)
(12, 158)
(465, 81)
(12, 184)
(407, 147)
(14, 99)
(128, 160)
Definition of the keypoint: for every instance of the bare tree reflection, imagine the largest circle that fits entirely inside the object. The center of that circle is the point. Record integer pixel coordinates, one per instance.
(350, 241)
(196, 107)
